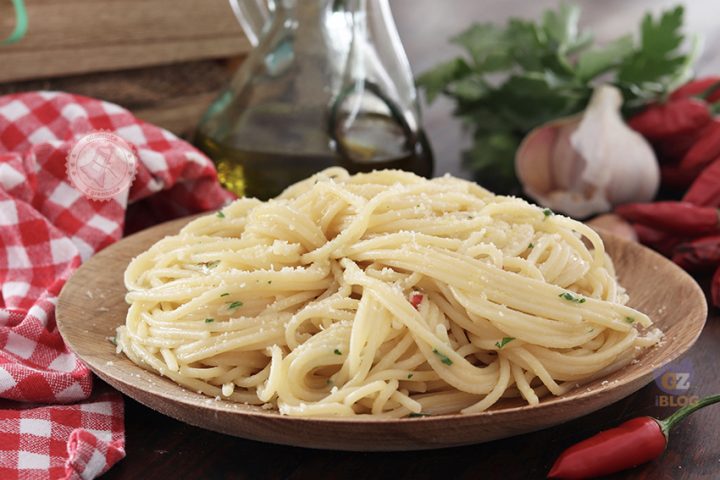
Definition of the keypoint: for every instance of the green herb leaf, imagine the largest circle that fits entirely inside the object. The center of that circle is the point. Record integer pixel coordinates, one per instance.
(629, 320)
(595, 62)
(220, 214)
(547, 212)
(572, 298)
(209, 320)
(509, 80)
(444, 358)
(530, 245)
(410, 375)
(337, 352)
(435, 80)
(235, 304)
(658, 55)
(504, 342)
(417, 415)
(224, 294)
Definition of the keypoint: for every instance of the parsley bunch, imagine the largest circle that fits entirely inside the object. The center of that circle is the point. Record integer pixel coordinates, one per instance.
(515, 78)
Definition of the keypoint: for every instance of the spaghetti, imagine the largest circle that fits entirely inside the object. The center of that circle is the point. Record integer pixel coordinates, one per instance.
(383, 294)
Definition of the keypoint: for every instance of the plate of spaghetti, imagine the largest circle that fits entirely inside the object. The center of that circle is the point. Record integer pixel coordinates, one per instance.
(378, 311)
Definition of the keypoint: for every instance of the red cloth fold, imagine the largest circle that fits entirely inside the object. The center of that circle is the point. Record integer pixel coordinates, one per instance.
(47, 228)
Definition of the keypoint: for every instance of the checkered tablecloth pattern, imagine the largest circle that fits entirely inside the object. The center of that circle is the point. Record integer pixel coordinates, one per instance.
(47, 228)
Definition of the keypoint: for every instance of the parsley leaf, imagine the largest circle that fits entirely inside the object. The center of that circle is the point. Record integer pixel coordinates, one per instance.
(417, 415)
(220, 214)
(337, 352)
(572, 298)
(444, 358)
(510, 79)
(410, 375)
(224, 294)
(235, 304)
(209, 320)
(504, 342)
(547, 212)
(629, 320)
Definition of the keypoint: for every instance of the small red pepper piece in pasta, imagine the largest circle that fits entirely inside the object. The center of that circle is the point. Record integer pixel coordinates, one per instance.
(416, 299)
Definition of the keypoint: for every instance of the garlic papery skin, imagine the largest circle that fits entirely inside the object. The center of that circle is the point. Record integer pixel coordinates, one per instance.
(588, 163)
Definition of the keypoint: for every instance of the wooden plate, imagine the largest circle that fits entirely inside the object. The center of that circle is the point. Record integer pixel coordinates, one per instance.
(92, 305)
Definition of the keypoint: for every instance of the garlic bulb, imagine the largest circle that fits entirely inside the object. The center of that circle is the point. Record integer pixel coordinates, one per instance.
(590, 162)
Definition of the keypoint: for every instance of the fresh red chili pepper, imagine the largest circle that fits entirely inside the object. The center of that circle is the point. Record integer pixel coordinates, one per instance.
(676, 117)
(681, 218)
(705, 190)
(699, 87)
(705, 150)
(631, 444)
(416, 299)
(715, 288)
(663, 242)
(698, 254)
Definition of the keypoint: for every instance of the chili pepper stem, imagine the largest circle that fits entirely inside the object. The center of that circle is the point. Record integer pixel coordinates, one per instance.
(668, 423)
(709, 91)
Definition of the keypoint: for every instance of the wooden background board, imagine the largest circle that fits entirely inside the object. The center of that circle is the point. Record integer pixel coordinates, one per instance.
(80, 36)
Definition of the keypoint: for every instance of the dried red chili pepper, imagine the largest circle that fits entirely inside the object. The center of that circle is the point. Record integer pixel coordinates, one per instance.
(699, 253)
(663, 242)
(715, 288)
(673, 149)
(628, 445)
(676, 117)
(677, 178)
(699, 87)
(680, 218)
(705, 150)
(705, 190)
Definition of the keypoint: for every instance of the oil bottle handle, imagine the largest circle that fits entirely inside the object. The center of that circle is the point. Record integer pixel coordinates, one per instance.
(411, 137)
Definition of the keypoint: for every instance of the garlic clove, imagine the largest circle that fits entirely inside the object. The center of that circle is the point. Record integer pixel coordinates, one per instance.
(533, 157)
(586, 164)
(615, 224)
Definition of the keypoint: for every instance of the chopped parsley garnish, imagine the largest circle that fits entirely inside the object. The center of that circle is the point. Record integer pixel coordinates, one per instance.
(224, 294)
(443, 357)
(571, 298)
(629, 320)
(530, 245)
(209, 320)
(235, 304)
(410, 375)
(547, 212)
(337, 352)
(328, 382)
(416, 415)
(220, 214)
(504, 342)
(269, 282)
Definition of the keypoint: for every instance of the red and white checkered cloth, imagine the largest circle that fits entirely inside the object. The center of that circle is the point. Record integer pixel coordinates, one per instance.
(47, 228)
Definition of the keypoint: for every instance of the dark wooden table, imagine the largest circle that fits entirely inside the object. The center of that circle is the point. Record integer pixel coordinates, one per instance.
(160, 447)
